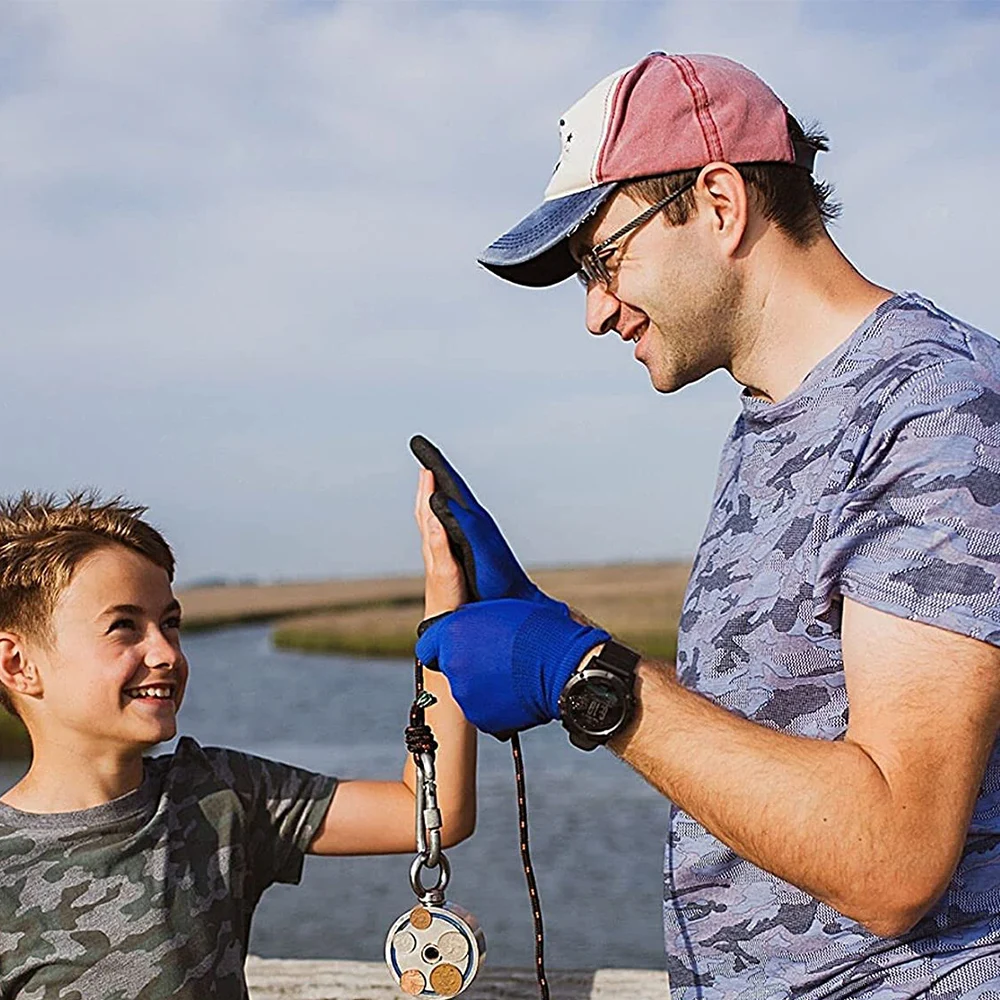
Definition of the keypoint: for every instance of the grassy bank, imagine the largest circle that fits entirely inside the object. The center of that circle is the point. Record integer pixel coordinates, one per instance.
(639, 603)
(214, 607)
(14, 743)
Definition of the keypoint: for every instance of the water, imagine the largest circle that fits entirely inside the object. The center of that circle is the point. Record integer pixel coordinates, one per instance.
(596, 829)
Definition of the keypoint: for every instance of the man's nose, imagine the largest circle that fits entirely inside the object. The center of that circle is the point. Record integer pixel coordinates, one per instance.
(602, 309)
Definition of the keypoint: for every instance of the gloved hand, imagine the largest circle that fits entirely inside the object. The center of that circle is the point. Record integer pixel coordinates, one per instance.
(508, 660)
(491, 568)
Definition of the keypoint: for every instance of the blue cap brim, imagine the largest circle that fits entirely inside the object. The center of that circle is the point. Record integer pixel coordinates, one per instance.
(536, 252)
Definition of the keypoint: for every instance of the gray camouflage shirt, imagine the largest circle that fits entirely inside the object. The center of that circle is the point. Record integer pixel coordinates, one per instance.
(879, 479)
(151, 895)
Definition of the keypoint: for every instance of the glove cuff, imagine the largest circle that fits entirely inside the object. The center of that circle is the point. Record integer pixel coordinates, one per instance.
(547, 648)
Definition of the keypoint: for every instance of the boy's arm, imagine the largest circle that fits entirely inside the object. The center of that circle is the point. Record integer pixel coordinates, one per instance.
(377, 817)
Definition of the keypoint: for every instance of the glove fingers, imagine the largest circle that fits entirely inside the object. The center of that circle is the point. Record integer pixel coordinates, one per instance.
(446, 479)
(460, 545)
(427, 646)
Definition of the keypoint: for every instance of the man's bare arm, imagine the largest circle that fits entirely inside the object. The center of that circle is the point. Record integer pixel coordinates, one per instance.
(874, 824)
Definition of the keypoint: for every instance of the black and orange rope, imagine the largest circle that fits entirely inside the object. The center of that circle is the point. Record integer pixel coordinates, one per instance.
(420, 739)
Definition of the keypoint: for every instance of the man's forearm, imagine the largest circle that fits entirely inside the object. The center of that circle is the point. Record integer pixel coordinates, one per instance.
(819, 814)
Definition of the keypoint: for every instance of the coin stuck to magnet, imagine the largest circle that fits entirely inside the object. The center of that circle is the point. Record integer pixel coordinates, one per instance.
(453, 946)
(420, 918)
(404, 943)
(446, 980)
(412, 981)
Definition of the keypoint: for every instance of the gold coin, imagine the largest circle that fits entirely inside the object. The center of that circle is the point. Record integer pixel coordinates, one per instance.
(446, 980)
(412, 981)
(420, 918)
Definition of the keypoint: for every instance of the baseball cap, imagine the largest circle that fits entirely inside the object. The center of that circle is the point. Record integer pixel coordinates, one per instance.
(665, 113)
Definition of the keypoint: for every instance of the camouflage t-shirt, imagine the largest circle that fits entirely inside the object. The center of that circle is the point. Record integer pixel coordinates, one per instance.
(151, 895)
(879, 479)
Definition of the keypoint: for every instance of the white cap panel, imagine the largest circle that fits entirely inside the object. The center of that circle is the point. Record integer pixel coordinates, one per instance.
(582, 132)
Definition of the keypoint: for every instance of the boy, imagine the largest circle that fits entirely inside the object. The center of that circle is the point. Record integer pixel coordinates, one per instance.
(131, 877)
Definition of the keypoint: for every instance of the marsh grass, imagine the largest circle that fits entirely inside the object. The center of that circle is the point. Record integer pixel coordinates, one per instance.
(638, 602)
(14, 743)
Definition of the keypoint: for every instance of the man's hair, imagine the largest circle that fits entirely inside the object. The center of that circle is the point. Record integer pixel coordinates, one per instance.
(42, 541)
(790, 196)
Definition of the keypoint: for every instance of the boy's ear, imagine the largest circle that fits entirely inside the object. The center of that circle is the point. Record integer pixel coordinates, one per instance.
(17, 673)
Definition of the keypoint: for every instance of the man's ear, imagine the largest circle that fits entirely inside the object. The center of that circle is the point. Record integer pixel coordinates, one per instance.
(725, 204)
(18, 674)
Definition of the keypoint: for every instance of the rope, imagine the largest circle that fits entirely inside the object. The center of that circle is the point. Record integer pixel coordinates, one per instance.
(420, 739)
(418, 735)
(529, 872)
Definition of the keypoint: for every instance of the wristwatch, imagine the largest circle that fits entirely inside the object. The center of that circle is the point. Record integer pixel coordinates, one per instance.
(598, 701)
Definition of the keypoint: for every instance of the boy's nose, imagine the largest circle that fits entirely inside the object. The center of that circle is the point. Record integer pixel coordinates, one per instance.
(160, 651)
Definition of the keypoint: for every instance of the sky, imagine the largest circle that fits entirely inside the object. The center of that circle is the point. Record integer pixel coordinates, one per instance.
(237, 259)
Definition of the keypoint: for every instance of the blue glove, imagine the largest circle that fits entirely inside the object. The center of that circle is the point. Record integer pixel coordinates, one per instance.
(507, 661)
(491, 568)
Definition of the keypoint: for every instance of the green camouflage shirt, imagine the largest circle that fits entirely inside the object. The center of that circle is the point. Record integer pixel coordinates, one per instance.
(151, 895)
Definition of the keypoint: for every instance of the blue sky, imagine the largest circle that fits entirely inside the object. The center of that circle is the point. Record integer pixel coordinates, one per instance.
(239, 239)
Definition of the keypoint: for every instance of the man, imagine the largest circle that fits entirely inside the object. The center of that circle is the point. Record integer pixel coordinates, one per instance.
(827, 737)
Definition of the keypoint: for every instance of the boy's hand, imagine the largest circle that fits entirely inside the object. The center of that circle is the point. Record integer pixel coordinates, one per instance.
(444, 584)
(507, 661)
(491, 568)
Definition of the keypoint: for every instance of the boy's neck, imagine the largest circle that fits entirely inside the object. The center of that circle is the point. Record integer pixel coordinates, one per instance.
(64, 778)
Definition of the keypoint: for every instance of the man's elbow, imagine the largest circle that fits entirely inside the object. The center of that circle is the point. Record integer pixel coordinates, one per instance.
(894, 910)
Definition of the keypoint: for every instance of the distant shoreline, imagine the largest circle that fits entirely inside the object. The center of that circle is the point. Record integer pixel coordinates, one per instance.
(639, 602)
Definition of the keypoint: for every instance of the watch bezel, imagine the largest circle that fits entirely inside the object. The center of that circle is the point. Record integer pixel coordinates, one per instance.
(593, 671)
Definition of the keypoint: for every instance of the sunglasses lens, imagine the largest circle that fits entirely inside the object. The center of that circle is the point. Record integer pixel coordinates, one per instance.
(592, 270)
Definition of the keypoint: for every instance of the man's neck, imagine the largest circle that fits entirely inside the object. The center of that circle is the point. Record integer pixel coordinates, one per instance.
(802, 305)
(64, 777)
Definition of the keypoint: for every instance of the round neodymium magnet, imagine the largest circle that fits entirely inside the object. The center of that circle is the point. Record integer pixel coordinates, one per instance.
(435, 951)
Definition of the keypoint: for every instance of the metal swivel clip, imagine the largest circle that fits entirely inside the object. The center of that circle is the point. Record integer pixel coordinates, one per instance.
(436, 948)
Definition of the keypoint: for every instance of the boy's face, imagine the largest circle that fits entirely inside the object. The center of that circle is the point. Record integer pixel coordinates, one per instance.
(114, 672)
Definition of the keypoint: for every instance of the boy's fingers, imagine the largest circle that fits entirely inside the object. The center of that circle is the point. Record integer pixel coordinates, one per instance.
(461, 548)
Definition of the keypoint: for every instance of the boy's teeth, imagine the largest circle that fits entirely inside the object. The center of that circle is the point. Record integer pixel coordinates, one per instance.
(150, 692)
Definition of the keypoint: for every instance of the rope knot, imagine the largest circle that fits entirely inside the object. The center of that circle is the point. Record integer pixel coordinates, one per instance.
(420, 739)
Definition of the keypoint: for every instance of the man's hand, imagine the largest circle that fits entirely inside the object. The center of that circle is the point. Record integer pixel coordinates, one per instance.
(491, 568)
(508, 660)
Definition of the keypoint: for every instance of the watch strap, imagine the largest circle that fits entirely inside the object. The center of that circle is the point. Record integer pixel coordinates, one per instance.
(618, 658)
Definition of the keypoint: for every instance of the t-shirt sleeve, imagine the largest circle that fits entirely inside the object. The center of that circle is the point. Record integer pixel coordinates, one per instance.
(285, 808)
(917, 532)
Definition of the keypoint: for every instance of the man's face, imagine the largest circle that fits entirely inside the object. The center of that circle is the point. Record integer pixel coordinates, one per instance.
(672, 295)
(113, 675)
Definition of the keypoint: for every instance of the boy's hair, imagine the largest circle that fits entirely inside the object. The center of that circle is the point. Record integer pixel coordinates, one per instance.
(791, 197)
(42, 541)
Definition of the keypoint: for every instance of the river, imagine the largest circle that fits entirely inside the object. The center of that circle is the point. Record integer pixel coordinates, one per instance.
(596, 829)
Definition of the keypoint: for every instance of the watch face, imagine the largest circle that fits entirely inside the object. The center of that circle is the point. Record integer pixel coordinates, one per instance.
(596, 706)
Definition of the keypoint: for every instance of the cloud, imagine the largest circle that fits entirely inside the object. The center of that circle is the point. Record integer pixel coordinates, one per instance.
(239, 251)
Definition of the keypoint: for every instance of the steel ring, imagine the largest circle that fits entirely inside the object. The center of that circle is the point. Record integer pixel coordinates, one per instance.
(419, 864)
